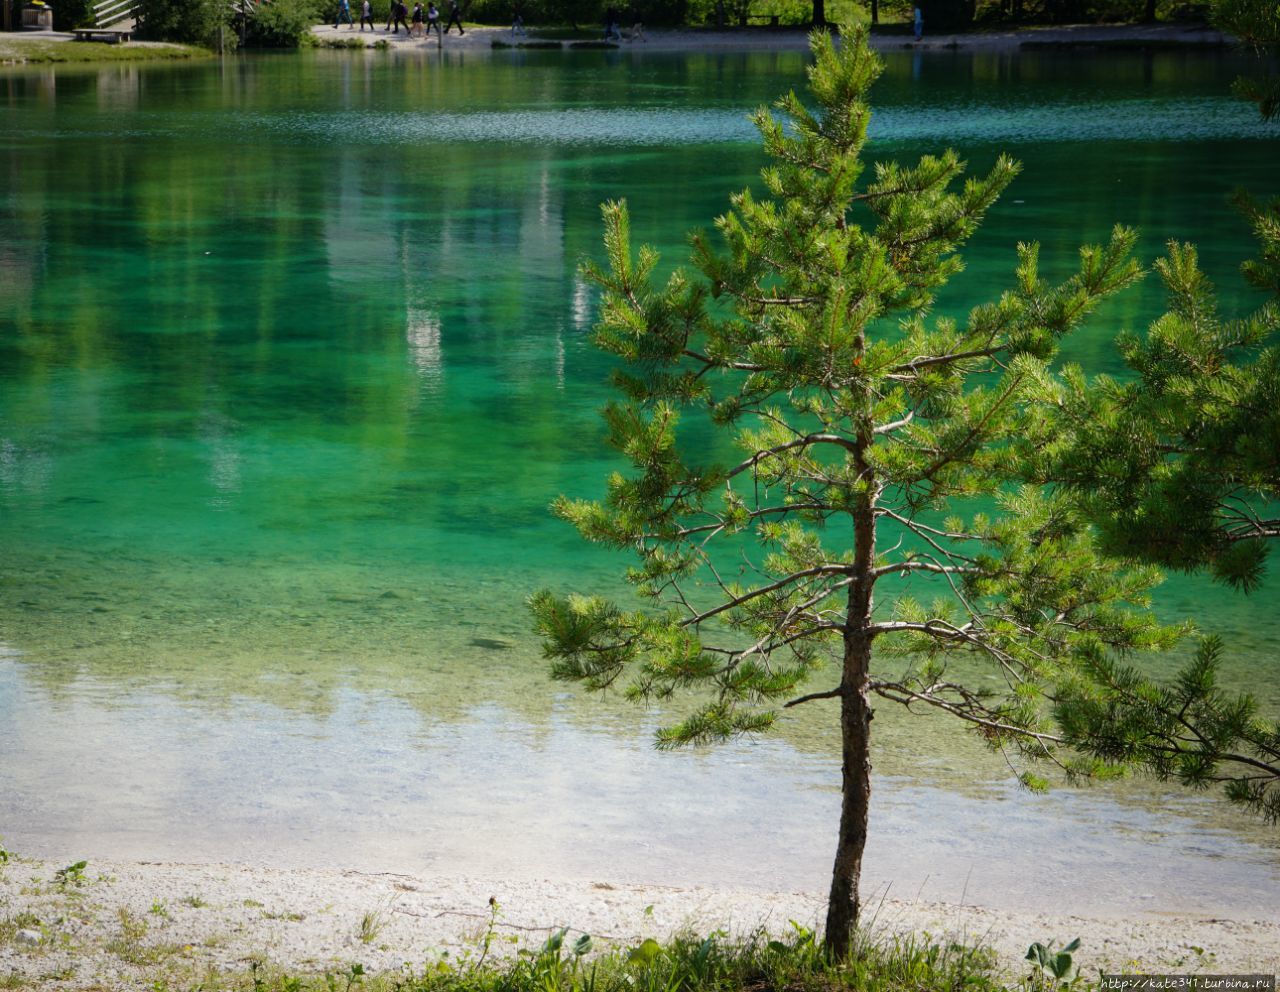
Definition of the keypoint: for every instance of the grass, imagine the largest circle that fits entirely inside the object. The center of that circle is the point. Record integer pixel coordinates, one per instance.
(130, 946)
(20, 49)
(567, 963)
(371, 925)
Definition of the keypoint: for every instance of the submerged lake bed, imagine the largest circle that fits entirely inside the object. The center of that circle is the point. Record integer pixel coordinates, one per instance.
(294, 354)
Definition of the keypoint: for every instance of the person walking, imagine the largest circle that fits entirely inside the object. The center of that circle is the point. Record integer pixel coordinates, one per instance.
(416, 29)
(455, 17)
(399, 11)
(344, 14)
(918, 22)
(366, 14)
(517, 24)
(433, 20)
(611, 32)
(636, 16)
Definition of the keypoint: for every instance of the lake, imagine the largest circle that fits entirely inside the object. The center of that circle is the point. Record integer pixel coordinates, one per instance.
(294, 355)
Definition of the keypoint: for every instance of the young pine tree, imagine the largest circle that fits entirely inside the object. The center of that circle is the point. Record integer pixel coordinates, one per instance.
(1178, 464)
(876, 526)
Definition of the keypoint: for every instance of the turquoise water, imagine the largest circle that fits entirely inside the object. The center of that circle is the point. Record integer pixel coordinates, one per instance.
(293, 356)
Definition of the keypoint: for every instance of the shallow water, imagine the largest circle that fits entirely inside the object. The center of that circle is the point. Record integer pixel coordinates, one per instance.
(293, 355)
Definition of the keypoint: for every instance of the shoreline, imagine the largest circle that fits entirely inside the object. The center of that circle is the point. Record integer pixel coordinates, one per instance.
(129, 924)
(1069, 37)
(47, 48)
(59, 48)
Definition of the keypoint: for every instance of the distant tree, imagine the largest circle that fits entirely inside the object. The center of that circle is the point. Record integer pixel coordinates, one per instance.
(574, 12)
(283, 23)
(193, 22)
(1256, 23)
(70, 14)
(862, 422)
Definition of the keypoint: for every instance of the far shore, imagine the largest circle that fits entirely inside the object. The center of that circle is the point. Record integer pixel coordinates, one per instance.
(1081, 36)
(127, 925)
(60, 48)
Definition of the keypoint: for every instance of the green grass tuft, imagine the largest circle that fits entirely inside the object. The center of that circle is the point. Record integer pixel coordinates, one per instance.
(568, 963)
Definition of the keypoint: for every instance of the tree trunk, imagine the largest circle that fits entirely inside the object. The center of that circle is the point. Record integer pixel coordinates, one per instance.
(819, 13)
(1149, 14)
(875, 11)
(855, 731)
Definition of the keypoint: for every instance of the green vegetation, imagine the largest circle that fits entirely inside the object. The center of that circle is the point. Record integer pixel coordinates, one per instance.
(68, 14)
(71, 876)
(1256, 23)
(684, 964)
(372, 924)
(1179, 462)
(1179, 465)
(192, 22)
(881, 448)
(283, 23)
(26, 49)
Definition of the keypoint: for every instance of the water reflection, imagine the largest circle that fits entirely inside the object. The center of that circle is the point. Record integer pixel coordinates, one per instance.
(422, 332)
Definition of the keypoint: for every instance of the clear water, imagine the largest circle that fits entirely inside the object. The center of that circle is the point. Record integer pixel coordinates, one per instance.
(293, 356)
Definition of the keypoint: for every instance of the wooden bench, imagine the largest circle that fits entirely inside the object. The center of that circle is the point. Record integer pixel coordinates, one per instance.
(771, 18)
(111, 36)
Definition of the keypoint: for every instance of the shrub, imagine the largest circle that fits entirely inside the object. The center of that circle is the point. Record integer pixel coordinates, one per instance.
(282, 23)
(193, 22)
(69, 14)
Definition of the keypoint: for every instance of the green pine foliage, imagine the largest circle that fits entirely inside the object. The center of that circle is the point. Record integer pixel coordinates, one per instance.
(1180, 463)
(1190, 731)
(884, 527)
(1256, 23)
(1179, 466)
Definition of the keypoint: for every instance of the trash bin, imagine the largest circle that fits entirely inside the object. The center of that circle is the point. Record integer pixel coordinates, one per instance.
(37, 17)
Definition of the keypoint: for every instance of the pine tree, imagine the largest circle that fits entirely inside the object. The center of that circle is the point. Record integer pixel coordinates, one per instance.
(1190, 731)
(878, 523)
(1256, 23)
(1178, 464)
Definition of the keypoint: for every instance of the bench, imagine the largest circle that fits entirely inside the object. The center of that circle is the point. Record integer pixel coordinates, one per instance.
(771, 18)
(111, 36)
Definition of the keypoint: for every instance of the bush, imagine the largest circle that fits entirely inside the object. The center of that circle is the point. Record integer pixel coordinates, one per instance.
(283, 23)
(193, 22)
(69, 14)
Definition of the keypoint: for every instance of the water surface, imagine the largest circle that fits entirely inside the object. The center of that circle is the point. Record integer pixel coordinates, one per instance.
(293, 356)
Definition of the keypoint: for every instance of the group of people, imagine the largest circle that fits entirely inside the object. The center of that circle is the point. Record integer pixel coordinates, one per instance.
(398, 16)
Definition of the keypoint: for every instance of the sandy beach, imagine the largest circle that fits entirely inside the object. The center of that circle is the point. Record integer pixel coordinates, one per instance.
(796, 39)
(127, 925)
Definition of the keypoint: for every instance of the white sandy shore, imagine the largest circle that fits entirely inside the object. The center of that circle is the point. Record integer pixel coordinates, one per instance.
(794, 39)
(223, 917)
